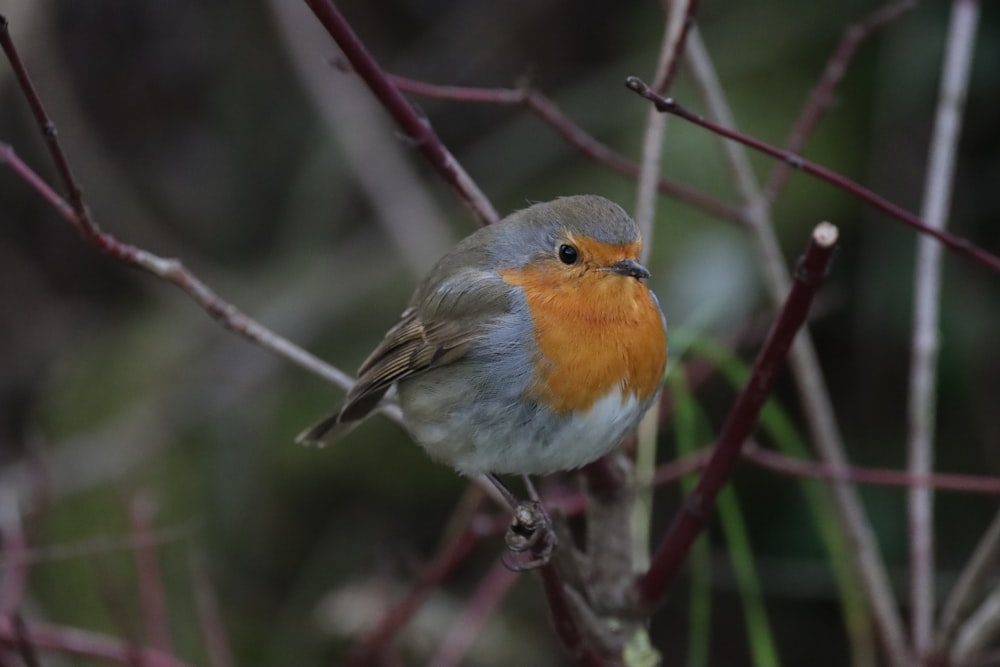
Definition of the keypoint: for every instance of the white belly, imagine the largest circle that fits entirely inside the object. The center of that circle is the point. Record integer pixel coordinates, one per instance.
(515, 439)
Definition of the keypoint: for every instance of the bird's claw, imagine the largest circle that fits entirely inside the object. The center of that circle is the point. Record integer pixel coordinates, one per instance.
(530, 533)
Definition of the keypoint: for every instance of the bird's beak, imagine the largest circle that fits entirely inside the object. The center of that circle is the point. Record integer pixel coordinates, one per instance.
(629, 268)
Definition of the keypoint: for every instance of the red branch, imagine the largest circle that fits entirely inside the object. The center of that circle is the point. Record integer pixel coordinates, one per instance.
(821, 96)
(662, 85)
(413, 125)
(549, 113)
(149, 574)
(490, 592)
(14, 570)
(440, 567)
(770, 460)
(742, 418)
(71, 641)
(564, 619)
(958, 244)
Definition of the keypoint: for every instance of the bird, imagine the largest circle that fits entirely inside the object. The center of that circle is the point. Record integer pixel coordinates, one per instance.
(534, 346)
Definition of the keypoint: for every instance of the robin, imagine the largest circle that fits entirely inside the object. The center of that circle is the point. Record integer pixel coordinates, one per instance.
(532, 347)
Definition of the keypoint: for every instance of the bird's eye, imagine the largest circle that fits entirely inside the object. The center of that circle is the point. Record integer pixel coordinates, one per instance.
(568, 254)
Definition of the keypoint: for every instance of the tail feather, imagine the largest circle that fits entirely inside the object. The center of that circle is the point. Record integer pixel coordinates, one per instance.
(324, 431)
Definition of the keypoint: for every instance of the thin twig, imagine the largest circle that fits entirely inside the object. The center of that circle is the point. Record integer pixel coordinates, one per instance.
(14, 564)
(981, 628)
(771, 460)
(821, 96)
(489, 593)
(24, 647)
(149, 574)
(682, 14)
(564, 618)
(955, 243)
(381, 165)
(440, 566)
(173, 271)
(549, 113)
(83, 644)
(656, 127)
(808, 376)
(639, 524)
(416, 128)
(213, 630)
(742, 418)
(921, 399)
(971, 583)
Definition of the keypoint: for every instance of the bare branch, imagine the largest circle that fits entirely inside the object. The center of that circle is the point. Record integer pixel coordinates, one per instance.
(771, 460)
(80, 643)
(206, 603)
(414, 126)
(808, 375)
(922, 397)
(821, 96)
(968, 590)
(149, 574)
(490, 592)
(681, 20)
(956, 243)
(742, 418)
(549, 113)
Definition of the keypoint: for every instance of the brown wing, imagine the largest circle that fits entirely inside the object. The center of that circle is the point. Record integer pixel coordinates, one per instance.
(408, 348)
(436, 333)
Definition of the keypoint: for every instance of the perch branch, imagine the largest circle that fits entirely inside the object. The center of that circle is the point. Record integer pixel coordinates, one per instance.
(742, 418)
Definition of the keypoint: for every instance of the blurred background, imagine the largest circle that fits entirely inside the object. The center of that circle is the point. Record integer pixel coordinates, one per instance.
(225, 134)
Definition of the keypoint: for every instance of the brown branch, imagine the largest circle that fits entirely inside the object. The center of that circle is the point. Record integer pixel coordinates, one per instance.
(549, 113)
(83, 644)
(490, 592)
(416, 127)
(956, 243)
(565, 621)
(440, 566)
(770, 460)
(206, 602)
(662, 84)
(821, 97)
(149, 574)
(742, 418)
(14, 564)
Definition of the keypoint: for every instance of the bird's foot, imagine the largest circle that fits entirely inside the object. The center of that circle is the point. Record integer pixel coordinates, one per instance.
(530, 537)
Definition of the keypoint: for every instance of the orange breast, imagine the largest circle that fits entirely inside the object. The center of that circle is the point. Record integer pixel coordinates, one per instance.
(595, 332)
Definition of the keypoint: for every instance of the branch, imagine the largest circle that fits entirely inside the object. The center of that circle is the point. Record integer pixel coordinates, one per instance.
(490, 591)
(549, 113)
(564, 618)
(771, 460)
(414, 126)
(922, 399)
(443, 563)
(955, 243)
(742, 418)
(173, 271)
(206, 602)
(821, 96)
(681, 20)
(149, 574)
(80, 643)
(975, 579)
(170, 270)
(804, 362)
(14, 547)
